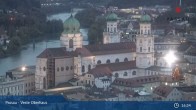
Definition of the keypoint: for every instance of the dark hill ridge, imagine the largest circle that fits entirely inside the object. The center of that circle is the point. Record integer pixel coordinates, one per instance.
(136, 3)
(15, 4)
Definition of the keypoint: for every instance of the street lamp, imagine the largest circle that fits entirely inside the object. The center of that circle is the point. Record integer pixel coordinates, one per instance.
(170, 58)
(23, 68)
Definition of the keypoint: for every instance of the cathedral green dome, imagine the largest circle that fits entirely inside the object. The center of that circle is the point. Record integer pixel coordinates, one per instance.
(112, 17)
(71, 25)
(145, 18)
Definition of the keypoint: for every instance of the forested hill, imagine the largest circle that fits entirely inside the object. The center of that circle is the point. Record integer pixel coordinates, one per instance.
(136, 3)
(19, 4)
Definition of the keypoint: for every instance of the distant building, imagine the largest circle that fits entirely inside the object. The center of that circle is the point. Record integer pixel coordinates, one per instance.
(112, 34)
(188, 93)
(99, 64)
(190, 77)
(166, 93)
(19, 81)
(144, 83)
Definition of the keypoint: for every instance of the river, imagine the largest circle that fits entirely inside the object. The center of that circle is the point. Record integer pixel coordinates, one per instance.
(28, 55)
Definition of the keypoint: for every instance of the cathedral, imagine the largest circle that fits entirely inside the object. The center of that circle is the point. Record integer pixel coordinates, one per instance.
(99, 64)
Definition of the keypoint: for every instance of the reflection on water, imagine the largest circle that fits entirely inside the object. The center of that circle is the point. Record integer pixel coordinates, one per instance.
(28, 55)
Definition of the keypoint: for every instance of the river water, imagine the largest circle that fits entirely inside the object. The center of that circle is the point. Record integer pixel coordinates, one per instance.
(28, 55)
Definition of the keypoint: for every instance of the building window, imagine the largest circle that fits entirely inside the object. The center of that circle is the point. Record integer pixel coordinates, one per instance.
(99, 62)
(44, 68)
(141, 31)
(71, 43)
(117, 60)
(62, 68)
(67, 68)
(134, 73)
(89, 67)
(108, 61)
(125, 74)
(140, 49)
(148, 49)
(126, 59)
(44, 83)
(58, 69)
(116, 75)
(71, 68)
(83, 68)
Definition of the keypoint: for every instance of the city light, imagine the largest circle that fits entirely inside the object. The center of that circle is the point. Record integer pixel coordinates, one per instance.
(23, 68)
(170, 58)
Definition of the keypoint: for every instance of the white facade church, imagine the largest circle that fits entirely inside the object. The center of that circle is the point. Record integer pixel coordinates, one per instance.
(96, 65)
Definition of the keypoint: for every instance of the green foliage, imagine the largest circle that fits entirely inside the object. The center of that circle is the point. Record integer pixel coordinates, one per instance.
(95, 32)
(14, 45)
(16, 4)
(87, 17)
(28, 23)
(2, 52)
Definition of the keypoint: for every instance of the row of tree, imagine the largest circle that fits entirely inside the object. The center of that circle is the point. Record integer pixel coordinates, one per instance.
(92, 19)
(136, 3)
(24, 26)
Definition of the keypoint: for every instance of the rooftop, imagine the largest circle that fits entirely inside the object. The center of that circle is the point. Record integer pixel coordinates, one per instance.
(113, 48)
(119, 66)
(187, 88)
(55, 53)
(163, 90)
(139, 81)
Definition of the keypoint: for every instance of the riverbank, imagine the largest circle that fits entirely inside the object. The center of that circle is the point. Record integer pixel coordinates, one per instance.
(46, 37)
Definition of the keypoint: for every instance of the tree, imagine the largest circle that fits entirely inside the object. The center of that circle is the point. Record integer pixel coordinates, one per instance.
(87, 17)
(2, 52)
(95, 32)
(14, 45)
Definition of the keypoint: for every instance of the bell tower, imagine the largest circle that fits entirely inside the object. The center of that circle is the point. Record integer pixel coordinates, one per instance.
(111, 34)
(71, 37)
(145, 44)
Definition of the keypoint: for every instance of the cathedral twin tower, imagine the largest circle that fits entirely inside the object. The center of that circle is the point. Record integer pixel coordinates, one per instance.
(71, 37)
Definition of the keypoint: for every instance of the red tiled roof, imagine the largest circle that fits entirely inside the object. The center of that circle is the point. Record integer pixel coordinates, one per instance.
(83, 52)
(100, 72)
(126, 83)
(119, 66)
(113, 48)
(139, 81)
(163, 90)
(56, 52)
